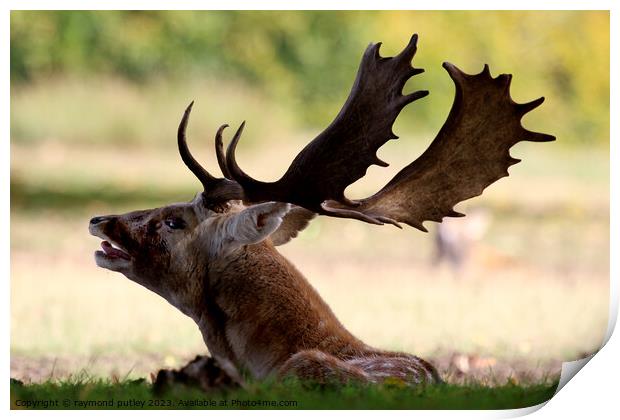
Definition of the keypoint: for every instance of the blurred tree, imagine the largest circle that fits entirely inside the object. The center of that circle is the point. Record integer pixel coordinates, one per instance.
(307, 59)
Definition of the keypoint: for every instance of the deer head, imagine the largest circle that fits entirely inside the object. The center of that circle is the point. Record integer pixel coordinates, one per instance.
(171, 250)
(168, 249)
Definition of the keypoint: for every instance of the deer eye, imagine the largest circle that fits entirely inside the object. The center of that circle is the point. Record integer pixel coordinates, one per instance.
(175, 223)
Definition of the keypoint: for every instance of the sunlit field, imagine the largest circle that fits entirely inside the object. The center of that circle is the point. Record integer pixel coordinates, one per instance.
(534, 292)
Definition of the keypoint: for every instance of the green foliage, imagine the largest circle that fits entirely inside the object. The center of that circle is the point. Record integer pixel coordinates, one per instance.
(307, 60)
(292, 394)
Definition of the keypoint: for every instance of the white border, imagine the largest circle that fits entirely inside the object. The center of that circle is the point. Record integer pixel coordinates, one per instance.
(595, 392)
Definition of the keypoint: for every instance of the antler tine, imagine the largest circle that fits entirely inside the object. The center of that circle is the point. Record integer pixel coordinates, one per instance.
(529, 106)
(205, 178)
(254, 190)
(346, 213)
(407, 99)
(231, 163)
(537, 137)
(404, 59)
(216, 190)
(219, 152)
(456, 74)
(406, 55)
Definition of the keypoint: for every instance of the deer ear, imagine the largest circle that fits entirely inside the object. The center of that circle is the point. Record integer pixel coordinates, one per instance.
(294, 222)
(255, 223)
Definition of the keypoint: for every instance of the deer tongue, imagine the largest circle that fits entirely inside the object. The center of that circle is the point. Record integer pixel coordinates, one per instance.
(110, 251)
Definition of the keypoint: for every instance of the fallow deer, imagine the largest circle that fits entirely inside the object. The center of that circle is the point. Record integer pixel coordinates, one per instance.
(456, 239)
(215, 258)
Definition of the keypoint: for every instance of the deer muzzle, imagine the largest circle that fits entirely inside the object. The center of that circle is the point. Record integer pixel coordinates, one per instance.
(112, 255)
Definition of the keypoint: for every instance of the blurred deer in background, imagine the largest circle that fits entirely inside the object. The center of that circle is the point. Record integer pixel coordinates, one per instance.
(215, 258)
(456, 239)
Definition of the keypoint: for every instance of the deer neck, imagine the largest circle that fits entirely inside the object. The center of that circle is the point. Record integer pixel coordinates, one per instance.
(258, 310)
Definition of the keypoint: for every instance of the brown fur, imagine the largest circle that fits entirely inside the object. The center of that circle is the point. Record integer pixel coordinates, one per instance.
(256, 311)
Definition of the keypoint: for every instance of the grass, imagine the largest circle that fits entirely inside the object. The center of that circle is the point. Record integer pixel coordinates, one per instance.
(105, 394)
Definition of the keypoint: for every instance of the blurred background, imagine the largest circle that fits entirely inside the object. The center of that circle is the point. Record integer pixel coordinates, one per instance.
(96, 97)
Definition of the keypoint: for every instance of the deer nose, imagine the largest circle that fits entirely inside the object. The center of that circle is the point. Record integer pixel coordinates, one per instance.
(98, 219)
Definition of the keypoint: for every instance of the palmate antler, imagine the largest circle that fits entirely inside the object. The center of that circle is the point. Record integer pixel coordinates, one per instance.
(470, 152)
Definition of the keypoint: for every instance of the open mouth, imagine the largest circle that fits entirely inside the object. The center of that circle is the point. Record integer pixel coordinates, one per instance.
(112, 251)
